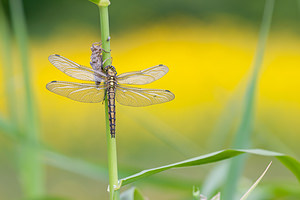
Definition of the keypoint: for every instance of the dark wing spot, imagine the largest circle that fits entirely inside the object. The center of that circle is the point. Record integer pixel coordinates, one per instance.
(167, 90)
(160, 65)
(53, 81)
(57, 55)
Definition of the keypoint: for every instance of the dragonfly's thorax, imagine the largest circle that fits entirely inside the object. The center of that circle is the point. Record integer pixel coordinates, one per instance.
(111, 76)
(110, 70)
(111, 81)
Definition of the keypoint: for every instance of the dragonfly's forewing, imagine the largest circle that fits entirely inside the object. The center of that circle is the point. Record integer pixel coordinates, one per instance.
(75, 70)
(143, 77)
(83, 92)
(131, 96)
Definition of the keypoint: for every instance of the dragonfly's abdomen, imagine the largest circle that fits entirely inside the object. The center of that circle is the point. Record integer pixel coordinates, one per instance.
(112, 110)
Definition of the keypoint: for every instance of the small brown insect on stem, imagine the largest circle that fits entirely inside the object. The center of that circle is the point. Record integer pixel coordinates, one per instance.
(97, 57)
(97, 61)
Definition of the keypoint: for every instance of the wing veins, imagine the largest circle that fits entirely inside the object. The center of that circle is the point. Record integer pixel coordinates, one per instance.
(87, 93)
(144, 76)
(75, 70)
(132, 96)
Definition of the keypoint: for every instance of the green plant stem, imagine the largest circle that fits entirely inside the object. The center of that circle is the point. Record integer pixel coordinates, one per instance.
(243, 135)
(31, 169)
(111, 142)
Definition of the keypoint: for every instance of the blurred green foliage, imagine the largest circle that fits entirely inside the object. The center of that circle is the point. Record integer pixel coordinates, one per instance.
(46, 17)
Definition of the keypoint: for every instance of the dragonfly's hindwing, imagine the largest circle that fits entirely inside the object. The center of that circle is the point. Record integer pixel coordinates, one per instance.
(132, 96)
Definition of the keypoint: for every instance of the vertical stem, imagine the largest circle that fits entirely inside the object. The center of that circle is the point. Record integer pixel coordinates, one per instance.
(111, 142)
(30, 163)
(243, 135)
(105, 37)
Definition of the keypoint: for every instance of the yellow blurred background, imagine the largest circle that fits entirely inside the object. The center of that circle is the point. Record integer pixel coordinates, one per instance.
(209, 64)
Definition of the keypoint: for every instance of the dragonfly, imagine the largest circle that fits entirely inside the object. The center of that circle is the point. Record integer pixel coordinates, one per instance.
(105, 83)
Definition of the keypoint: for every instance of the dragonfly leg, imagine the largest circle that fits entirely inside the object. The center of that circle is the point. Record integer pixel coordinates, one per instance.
(106, 51)
(106, 60)
(96, 44)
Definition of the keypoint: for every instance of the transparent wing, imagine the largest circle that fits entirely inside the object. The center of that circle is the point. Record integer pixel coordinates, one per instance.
(87, 93)
(143, 77)
(75, 70)
(131, 96)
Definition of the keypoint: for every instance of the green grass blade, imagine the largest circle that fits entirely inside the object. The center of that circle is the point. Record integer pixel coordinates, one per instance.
(217, 176)
(132, 194)
(7, 65)
(31, 170)
(245, 196)
(289, 162)
(242, 138)
(19, 25)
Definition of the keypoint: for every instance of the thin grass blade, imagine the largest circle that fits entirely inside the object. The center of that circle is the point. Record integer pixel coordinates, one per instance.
(242, 138)
(244, 197)
(7, 65)
(31, 169)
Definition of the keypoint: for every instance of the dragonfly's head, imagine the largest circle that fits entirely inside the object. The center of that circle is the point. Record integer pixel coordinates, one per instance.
(111, 71)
